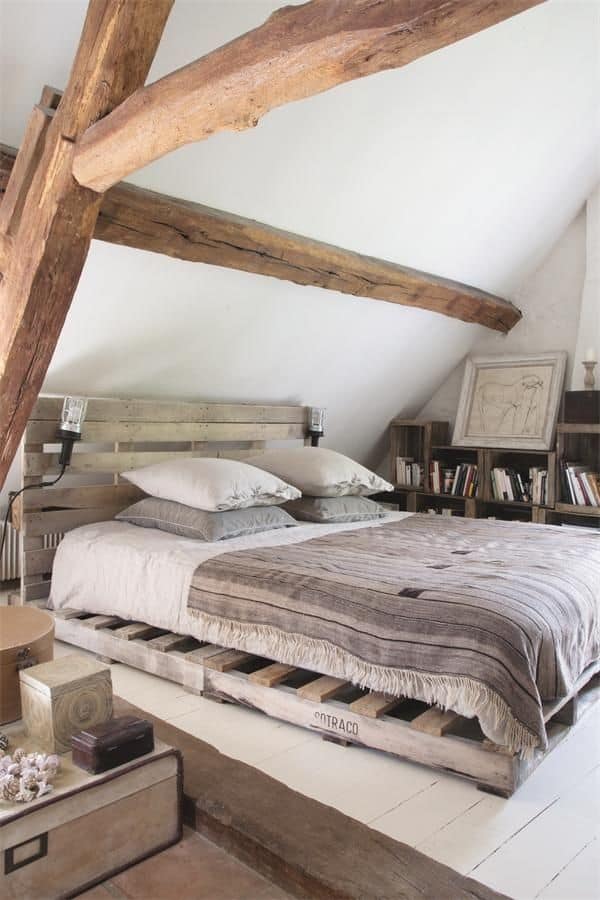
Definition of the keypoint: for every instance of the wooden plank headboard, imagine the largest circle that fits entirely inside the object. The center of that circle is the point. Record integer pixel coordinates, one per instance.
(120, 435)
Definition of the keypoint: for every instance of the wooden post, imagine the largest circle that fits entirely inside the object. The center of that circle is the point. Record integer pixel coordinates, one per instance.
(58, 217)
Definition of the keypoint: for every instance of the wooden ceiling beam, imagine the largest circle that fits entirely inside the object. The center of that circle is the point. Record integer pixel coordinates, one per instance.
(298, 52)
(57, 220)
(142, 219)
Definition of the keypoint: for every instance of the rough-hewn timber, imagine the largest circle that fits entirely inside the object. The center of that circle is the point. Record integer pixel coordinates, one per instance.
(58, 216)
(145, 220)
(299, 51)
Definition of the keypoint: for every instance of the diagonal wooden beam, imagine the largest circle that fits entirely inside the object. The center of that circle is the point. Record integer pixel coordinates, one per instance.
(298, 52)
(58, 216)
(135, 217)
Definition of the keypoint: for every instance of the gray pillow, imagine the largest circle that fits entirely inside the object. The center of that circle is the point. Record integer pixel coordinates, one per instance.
(201, 525)
(335, 509)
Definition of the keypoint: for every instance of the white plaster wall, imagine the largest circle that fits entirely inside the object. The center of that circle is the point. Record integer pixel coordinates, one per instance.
(588, 332)
(468, 163)
(551, 297)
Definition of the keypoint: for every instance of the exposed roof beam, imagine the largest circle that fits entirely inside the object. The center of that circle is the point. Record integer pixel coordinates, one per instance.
(57, 216)
(299, 51)
(135, 217)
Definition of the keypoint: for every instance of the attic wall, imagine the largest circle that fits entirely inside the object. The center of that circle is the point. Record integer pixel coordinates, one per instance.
(468, 163)
(550, 300)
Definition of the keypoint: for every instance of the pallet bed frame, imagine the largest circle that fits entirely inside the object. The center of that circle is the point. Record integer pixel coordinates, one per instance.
(134, 433)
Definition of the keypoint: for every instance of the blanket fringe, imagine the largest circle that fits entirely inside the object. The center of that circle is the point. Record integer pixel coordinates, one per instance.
(463, 695)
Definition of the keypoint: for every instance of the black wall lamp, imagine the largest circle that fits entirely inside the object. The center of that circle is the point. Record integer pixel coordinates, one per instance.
(316, 424)
(69, 431)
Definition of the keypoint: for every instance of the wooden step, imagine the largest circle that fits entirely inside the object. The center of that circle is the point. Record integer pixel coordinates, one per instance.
(374, 705)
(272, 675)
(435, 721)
(323, 688)
(227, 660)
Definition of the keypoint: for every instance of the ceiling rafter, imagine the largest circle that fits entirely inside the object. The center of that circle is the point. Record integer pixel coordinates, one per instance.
(50, 240)
(145, 220)
(107, 125)
(298, 52)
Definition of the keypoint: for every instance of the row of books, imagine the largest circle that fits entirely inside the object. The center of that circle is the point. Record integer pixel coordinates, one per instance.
(459, 480)
(408, 472)
(581, 486)
(509, 484)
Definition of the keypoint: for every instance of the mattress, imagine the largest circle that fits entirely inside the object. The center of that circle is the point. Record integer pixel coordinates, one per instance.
(144, 575)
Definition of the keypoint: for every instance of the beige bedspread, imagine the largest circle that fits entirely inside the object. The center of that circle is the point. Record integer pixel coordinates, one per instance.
(487, 618)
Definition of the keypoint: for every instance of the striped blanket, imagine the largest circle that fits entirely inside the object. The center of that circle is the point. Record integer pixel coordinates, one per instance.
(489, 619)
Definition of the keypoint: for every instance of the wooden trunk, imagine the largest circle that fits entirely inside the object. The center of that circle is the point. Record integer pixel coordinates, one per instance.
(62, 697)
(91, 827)
(26, 638)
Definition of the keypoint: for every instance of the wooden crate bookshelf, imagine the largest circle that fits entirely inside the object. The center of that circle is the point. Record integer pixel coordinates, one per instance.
(576, 442)
(425, 441)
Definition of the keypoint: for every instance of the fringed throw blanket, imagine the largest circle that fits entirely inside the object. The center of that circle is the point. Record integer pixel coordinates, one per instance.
(489, 619)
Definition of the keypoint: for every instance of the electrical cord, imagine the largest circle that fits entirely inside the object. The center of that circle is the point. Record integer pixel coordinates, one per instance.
(27, 487)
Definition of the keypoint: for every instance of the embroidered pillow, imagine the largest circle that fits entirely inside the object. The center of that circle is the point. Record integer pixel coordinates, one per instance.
(320, 472)
(211, 484)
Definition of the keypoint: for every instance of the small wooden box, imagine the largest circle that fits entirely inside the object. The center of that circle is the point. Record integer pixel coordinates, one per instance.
(90, 827)
(26, 638)
(112, 743)
(61, 697)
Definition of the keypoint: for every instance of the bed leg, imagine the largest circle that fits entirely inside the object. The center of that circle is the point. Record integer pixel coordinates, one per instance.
(105, 659)
(496, 792)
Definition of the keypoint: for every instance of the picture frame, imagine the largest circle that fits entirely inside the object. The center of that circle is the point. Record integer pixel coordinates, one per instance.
(510, 402)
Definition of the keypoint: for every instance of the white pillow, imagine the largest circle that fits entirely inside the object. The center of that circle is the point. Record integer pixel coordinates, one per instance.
(211, 484)
(319, 472)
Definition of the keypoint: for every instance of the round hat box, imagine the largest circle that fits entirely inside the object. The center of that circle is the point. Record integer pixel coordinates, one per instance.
(26, 639)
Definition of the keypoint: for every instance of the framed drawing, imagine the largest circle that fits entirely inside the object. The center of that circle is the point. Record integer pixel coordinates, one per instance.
(510, 401)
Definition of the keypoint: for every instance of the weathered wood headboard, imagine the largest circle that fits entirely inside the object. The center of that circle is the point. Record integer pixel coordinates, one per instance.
(120, 435)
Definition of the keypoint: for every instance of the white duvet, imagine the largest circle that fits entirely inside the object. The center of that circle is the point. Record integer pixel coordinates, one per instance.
(144, 575)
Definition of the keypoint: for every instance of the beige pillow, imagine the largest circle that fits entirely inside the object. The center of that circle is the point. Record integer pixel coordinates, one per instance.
(176, 518)
(320, 472)
(211, 484)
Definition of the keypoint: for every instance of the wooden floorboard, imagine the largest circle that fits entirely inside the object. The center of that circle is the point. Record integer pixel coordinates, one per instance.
(310, 849)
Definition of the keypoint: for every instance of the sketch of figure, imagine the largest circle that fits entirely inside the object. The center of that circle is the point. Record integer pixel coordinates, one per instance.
(511, 408)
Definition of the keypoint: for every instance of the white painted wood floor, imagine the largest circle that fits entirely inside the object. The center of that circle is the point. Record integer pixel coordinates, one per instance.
(542, 843)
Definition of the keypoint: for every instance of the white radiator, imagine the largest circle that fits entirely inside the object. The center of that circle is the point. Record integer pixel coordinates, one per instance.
(10, 563)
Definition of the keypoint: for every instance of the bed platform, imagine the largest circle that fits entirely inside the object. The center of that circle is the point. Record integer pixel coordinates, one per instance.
(121, 434)
(334, 708)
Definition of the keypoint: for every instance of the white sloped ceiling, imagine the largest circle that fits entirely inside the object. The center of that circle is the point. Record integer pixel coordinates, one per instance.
(469, 163)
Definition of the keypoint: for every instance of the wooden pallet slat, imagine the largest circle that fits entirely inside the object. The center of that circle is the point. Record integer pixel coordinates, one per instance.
(135, 631)
(272, 674)
(96, 622)
(199, 656)
(66, 613)
(166, 642)
(436, 721)
(227, 660)
(373, 705)
(323, 688)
